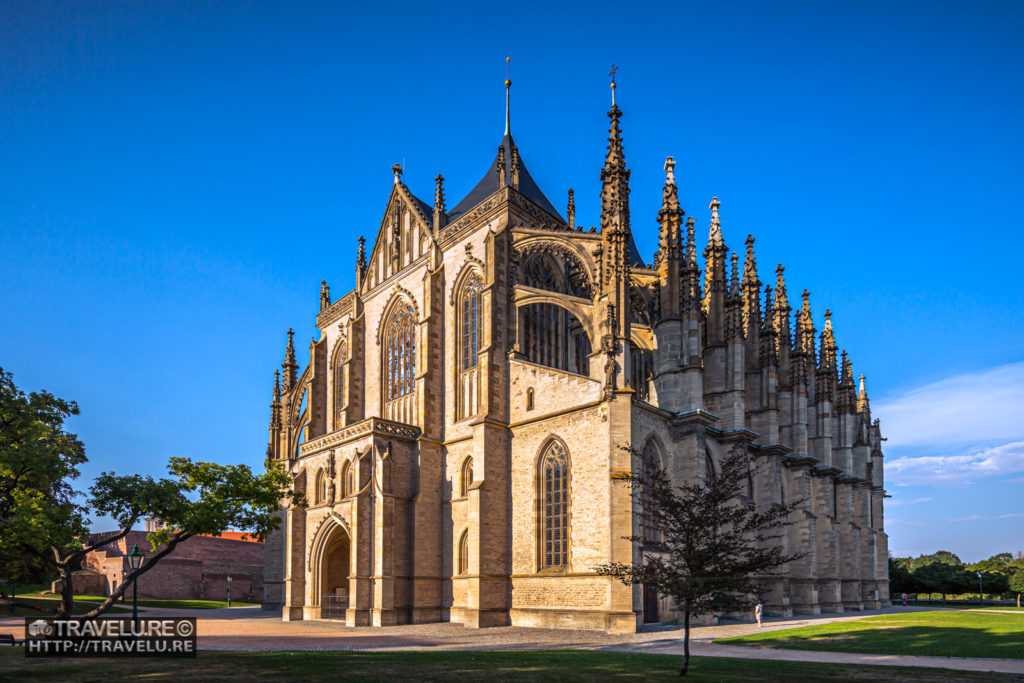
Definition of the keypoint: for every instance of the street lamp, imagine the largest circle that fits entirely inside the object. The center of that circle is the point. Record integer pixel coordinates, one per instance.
(981, 597)
(134, 562)
(229, 590)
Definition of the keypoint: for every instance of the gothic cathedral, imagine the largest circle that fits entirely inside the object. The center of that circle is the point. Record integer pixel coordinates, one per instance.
(458, 429)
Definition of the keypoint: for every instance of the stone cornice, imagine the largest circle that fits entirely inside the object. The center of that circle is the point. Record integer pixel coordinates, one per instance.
(799, 460)
(693, 417)
(772, 449)
(336, 310)
(373, 426)
(826, 470)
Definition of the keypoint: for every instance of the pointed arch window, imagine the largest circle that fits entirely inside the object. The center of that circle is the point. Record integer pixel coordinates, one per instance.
(348, 479)
(340, 385)
(400, 364)
(554, 504)
(466, 477)
(321, 486)
(641, 371)
(468, 321)
(709, 467)
(463, 553)
(650, 463)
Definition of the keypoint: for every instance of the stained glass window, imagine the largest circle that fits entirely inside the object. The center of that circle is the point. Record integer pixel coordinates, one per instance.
(400, 353)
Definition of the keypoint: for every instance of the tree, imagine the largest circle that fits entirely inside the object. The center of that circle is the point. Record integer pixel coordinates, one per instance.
(1015, 581)
(42, 518)
(704, 545)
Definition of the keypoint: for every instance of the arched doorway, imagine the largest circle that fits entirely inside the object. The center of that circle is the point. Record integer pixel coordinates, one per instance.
(334, 575)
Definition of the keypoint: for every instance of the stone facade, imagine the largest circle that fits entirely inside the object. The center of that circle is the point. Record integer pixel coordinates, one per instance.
(458, 429)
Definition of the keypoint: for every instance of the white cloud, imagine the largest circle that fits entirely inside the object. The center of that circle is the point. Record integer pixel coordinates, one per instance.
(957, 469)
(972, 518)
(898, 501)
(962, 410)
(1012, 514)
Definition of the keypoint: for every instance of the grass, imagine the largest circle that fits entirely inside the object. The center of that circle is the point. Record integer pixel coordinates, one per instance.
(176, 604)
(946, 633)
(550, 665)
(78, 607)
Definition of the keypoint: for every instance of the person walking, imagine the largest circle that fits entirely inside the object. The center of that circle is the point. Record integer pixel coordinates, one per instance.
(759, 613)
(904, 599)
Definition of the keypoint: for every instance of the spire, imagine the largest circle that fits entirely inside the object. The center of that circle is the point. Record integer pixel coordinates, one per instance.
(782, 326)
(670, 246)
(751, 292)
(570, 210)
(846, 402)
(768, 350)
(325, 295)
(692, 292)
(827, 379)
(715, 290)
(734, 303)
(291, 368)
(863, 406)
(615, 204)
(508, 91)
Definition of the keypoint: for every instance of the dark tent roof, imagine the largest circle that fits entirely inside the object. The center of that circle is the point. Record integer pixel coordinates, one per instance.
(488, 185)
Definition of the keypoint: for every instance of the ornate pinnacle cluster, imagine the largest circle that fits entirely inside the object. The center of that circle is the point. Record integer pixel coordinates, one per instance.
(615, 207)
(275, 405)
(768, 347)
(846, 401)
(670, 243)
(751, 297)
(325, 295)
(693, 296)
(826, 379)
(715, 283)
(291, 368)
(734, 303)
(515, 167)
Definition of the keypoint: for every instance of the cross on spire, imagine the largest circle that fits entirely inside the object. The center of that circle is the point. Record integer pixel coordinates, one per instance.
(508, 90)
(612, 74)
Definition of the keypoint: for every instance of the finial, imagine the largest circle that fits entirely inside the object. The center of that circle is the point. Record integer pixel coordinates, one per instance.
(508, 89)
(361, 255)
(439, 193)
(716, 224)
(570, 210)
(289, 365)
(612, 74)
(670, 171)
(277, 385)
(397, 170)
(325, 295)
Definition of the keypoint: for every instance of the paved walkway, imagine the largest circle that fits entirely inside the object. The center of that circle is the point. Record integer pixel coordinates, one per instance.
(250, 629)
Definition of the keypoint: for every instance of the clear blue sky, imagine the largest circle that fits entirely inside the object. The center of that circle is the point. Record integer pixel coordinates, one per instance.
(177, 178)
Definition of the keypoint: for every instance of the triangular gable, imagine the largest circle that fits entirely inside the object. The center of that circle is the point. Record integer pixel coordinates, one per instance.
(400, 200)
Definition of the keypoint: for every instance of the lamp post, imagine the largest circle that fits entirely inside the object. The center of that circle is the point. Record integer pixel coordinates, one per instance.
(981, 598)
(229, 590)
(134, 562)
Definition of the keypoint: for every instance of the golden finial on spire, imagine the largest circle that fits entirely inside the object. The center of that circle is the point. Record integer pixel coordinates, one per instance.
(612, 74)
(508, 88)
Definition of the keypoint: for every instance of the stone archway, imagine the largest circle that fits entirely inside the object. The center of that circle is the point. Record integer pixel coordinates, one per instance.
(334, 572)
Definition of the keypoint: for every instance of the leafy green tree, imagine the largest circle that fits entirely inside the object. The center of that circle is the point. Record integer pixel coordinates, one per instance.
(41, 518)
(1015, 581)
(703, 544)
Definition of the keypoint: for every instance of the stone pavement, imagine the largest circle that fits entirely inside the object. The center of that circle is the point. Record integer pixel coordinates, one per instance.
(250, 629)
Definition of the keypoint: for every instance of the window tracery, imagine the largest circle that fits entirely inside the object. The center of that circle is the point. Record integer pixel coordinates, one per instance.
(552, 336)
(554, 480)
(400, 364)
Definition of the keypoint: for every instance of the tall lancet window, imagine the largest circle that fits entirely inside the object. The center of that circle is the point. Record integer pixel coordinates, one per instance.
(340, 385)
(554, 504)
(400, 365)
(469, 315)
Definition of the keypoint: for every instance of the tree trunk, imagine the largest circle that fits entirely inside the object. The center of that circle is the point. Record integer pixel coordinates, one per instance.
(686, 641)
(1018, 600)
(67, 592)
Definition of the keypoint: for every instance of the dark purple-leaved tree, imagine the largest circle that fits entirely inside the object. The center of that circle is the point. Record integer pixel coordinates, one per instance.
(704, 543)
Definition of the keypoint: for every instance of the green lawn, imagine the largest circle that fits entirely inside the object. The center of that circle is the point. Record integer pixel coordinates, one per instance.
(947, 633)
(176, 604)
(79, 607)
(554, 665)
